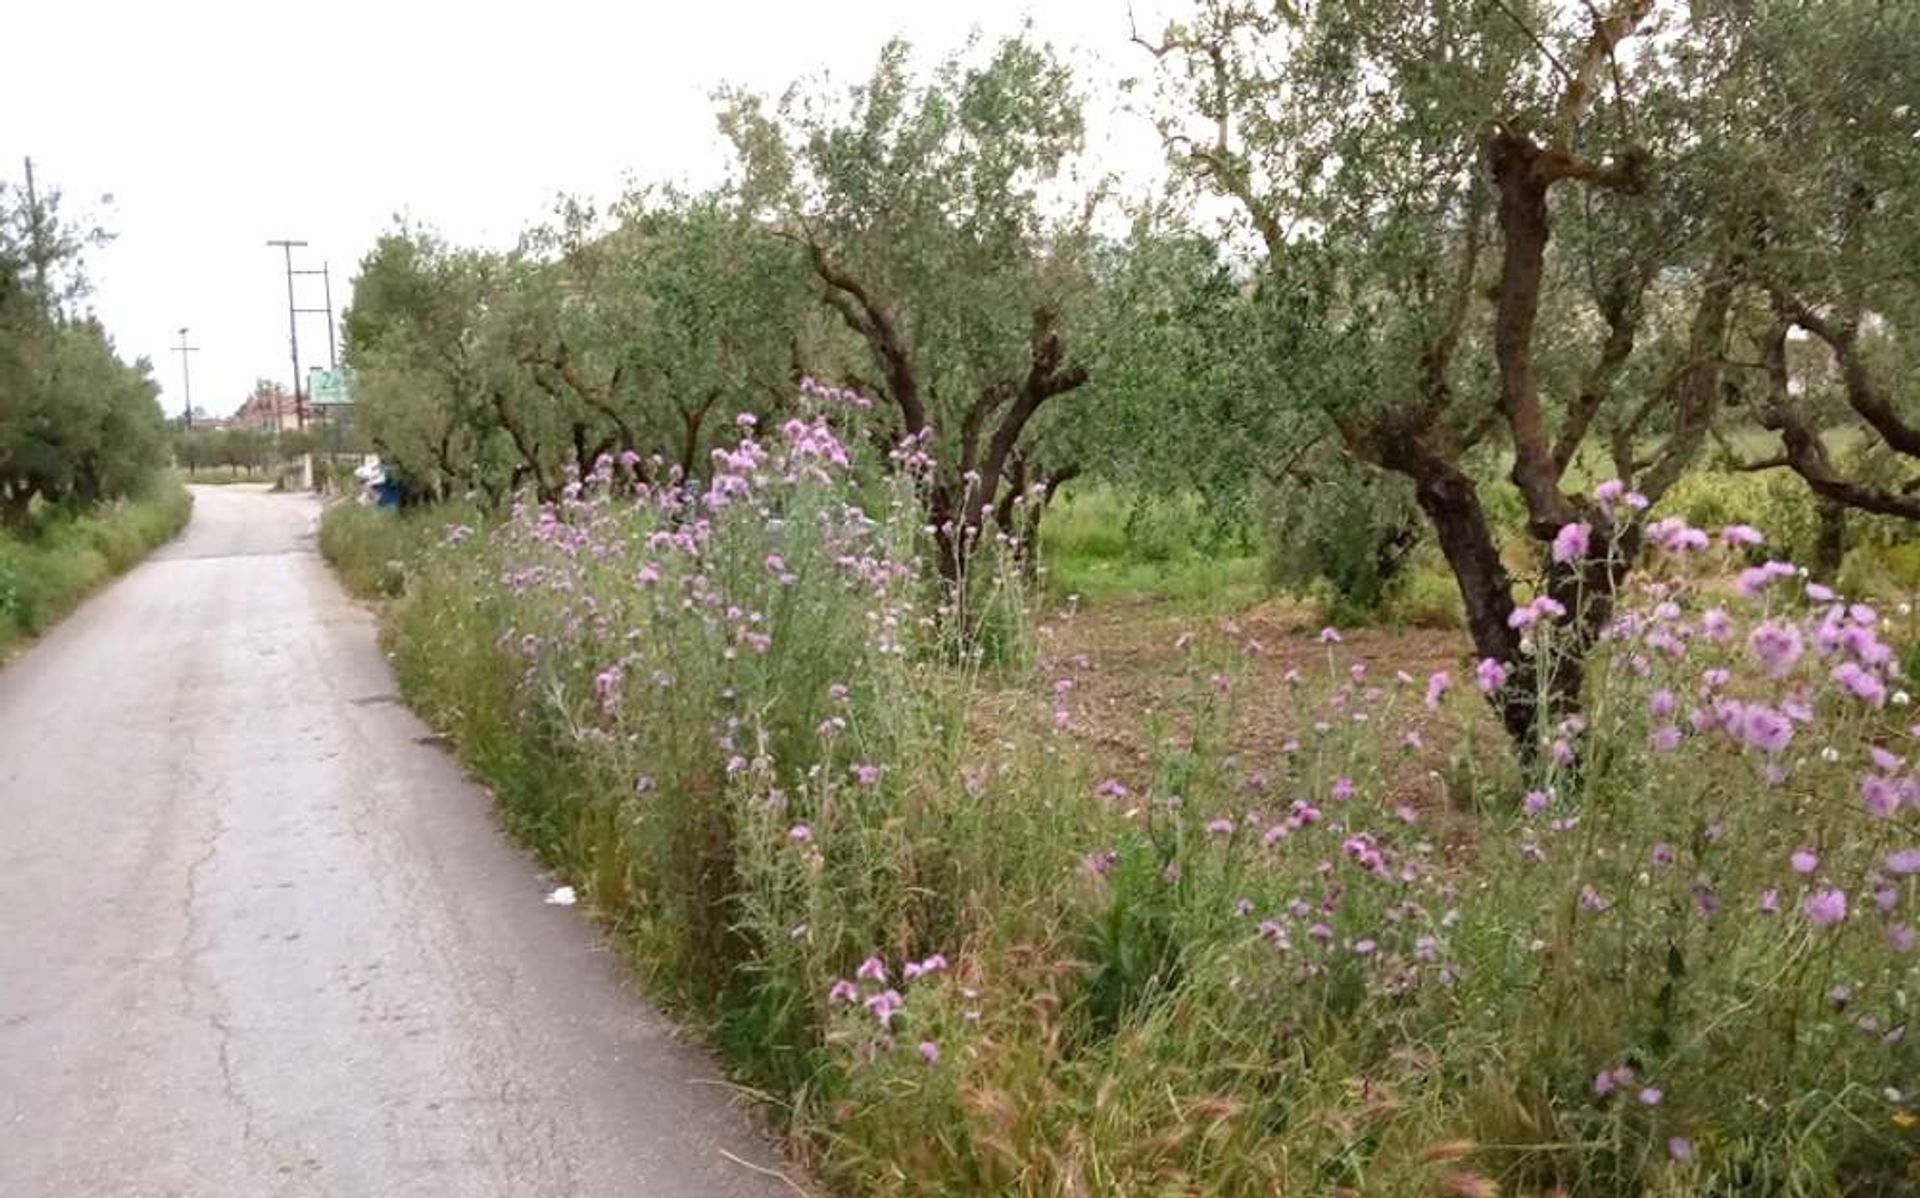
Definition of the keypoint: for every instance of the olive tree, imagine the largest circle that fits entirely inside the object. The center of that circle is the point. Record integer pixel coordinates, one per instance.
(1820, 106)
(78, 425)
(936, 220)
(1465, 214)
(654, 326)
(413, 339)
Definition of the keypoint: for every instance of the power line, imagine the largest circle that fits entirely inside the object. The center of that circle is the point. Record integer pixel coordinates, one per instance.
(326, 284)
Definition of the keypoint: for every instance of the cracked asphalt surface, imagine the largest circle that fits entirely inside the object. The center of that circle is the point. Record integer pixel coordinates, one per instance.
(259, 936)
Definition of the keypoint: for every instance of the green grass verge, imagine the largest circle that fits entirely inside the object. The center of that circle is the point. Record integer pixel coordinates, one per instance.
(46, 572)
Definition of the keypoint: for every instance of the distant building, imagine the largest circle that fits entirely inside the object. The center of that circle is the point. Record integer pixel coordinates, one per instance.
(270, 409)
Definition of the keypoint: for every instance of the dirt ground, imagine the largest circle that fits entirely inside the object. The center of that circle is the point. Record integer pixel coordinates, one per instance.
(1127, 667)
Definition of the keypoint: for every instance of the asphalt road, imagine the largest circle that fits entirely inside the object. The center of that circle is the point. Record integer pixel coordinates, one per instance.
(259, 936)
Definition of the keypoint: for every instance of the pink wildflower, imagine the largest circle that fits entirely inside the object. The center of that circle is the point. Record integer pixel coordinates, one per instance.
(1825, 907)
(1490, 674)
(1776, 646)
(1570, 544)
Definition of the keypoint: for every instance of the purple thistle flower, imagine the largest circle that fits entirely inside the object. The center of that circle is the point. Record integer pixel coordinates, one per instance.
(1881, 796)
(1825, 907)
(1776, 645)
(929, 1052)
(1570, 544)
(1680, 1148)
(1765, 729)
(1650, 1096)
(1716, 623)
(1904, 862)
(1490, 674)
(1803, 861)
(883, 1006)
(843, 992)
(1860, 683)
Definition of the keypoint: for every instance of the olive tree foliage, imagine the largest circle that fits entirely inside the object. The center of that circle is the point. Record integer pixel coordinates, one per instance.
(1820, 107)
(1190, 396)
(413, 338)
(937, 220)
(1179, 399)
(638, 334)
(78, 426)
(651, 328)
(1488, 236)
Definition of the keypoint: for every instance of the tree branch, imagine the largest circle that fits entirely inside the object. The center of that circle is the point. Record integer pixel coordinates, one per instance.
(1806, 451)
(1863, 394)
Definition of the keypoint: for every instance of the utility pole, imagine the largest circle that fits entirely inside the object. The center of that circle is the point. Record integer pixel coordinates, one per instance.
(186, 380)
(293, 332)
(326, 287)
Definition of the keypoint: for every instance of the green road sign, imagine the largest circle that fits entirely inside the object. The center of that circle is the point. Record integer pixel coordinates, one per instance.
(329, 388)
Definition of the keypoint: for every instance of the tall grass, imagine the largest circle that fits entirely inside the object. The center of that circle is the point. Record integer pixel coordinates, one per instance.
(964, 959)
(47, 571)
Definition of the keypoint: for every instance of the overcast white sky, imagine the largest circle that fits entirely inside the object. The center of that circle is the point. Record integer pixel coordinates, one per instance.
(217, 126)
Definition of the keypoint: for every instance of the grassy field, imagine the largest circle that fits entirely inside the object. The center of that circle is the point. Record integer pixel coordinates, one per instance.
(45, 573)
(1098, 545)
